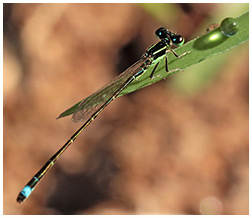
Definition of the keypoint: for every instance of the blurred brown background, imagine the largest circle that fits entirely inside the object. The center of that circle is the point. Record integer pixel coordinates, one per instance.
(179, 146)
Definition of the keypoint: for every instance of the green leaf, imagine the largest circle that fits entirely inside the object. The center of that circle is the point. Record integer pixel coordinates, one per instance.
(69, 111)
(201, 48)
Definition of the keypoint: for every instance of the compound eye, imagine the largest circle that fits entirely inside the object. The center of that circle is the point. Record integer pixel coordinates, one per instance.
(178, 40)
(161, 33)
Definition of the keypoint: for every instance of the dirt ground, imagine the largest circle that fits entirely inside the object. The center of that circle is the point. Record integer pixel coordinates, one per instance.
(155, 151)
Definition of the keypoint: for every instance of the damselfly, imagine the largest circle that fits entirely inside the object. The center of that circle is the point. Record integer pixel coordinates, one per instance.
(89, 108)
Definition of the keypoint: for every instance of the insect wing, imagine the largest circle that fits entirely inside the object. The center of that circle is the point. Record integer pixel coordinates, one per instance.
(92, 103)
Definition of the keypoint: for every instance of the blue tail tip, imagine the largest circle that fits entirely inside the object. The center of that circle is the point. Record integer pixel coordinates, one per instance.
(24, 194)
